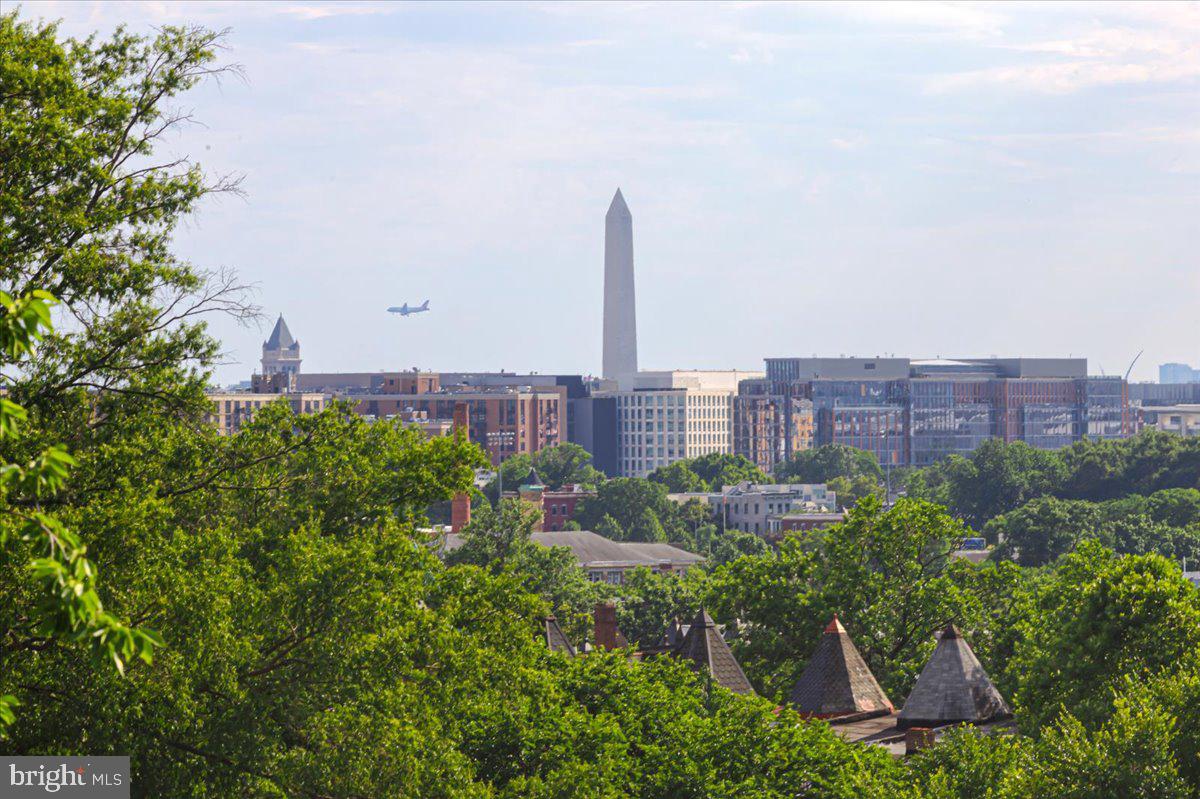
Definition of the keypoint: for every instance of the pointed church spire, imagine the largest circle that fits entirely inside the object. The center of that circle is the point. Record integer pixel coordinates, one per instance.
(281, 356)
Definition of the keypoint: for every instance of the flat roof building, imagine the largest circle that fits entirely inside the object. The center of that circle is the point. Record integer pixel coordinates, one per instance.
(233, 409)
(673, 415)
(917, 412)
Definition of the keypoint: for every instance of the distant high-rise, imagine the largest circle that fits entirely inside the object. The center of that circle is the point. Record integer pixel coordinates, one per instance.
(281, 353)
(620, 313)
(1175, 373)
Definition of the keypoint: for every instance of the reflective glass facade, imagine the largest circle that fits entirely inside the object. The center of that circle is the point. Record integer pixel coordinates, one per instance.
(943, 407)
(1108, 414)
(769, 427)
(948, 418)
(1050, 426)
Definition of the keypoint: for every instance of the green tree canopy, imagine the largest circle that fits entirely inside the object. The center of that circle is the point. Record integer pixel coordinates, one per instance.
(710, 472)
(500, 542)
(679, 478)
(889, 576)
(824, 463)
(639, 510)
(1099, 619)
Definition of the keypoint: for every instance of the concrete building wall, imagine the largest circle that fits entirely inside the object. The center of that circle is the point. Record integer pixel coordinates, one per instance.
(1182, 420)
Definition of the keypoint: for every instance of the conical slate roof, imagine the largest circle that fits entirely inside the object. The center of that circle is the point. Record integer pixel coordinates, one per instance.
(281, 337)
(705, 647)
(555, 638)
(953, 688)
(836, 681)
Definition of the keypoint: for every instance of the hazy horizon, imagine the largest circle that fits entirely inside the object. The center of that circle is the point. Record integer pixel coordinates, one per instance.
(929, 179)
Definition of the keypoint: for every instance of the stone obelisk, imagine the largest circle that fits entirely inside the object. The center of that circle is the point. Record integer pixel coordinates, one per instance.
(620, 313)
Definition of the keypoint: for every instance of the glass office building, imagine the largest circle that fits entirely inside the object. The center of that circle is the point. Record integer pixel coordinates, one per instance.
(920, 412)
(948, 417)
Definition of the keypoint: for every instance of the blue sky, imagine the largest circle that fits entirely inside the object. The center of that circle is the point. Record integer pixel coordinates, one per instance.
(919, 178)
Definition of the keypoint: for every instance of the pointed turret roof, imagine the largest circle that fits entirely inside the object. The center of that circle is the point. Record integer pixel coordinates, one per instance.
(836, 681)
(953, 688)
(532, 479)
(281, 337)
(705, 647)
(676, 630)
(555, 638)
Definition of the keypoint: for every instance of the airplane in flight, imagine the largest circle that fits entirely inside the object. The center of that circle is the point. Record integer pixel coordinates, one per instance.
(404, 310)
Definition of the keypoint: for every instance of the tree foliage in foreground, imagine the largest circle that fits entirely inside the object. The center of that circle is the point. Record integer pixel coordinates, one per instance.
(315, 646)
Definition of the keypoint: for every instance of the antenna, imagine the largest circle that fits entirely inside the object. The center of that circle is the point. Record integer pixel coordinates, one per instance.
(1131, 363)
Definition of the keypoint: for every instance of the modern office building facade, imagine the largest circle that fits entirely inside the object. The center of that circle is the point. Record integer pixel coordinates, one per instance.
(594, 427)
(1148, 394)
(919, 412)
(767, 426)
(670, 416)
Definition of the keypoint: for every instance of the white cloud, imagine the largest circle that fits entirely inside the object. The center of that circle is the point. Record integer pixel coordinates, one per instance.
(971, 18)
(1115, 45)
(313, 11)
(1067, 77)
(852, 142)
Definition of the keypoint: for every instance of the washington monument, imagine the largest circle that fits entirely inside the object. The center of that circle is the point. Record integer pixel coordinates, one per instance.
(620, 313)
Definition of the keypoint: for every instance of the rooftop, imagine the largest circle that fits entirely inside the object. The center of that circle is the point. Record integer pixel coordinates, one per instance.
(595, 551)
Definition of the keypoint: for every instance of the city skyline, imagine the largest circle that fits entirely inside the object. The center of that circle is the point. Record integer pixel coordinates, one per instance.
(998, 180)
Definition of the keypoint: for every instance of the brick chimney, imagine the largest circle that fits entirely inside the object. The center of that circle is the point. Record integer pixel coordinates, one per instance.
(918, 738)
(460, 506)
(604, 620)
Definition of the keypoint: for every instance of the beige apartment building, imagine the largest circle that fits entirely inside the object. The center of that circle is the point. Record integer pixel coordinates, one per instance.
(233, 409)
(668, 416)
(1183, 420)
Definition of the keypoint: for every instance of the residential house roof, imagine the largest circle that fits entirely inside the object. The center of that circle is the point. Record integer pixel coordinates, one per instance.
(836, 681)
(707, 650)
(556, 639)
(952, 688)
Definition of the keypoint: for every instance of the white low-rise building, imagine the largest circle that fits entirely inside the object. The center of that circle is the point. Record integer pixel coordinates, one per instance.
(751, 507)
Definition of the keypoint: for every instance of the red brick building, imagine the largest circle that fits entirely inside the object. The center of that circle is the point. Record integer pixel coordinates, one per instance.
(503, 420)
(558, 507)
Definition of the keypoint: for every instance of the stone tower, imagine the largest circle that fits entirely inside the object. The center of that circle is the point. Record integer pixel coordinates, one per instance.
(620, 314)
(281, 354)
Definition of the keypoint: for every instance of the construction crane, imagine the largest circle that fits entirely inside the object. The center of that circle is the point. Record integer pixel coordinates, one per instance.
(1131, 364)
